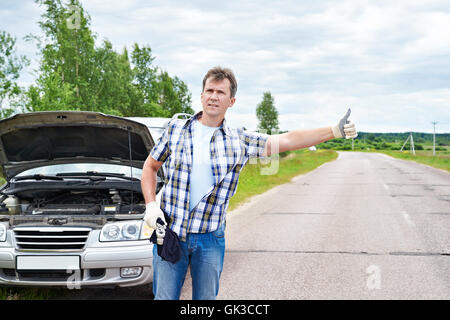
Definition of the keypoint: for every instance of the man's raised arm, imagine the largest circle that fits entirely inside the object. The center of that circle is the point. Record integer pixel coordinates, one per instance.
(298, 139)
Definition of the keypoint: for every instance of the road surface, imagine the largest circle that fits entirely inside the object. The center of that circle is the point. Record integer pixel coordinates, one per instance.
(365, 226)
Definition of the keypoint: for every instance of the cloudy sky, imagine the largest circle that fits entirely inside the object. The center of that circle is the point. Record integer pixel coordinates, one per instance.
(388, 60)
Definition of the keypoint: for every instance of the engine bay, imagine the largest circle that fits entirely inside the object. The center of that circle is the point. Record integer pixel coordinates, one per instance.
(108, 201)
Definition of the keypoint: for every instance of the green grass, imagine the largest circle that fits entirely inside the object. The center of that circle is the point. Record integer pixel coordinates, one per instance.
(424, 151)
(440, 161)
(29, 293)
(252, 182)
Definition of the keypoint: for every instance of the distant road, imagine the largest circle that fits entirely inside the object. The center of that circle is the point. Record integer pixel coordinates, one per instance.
(366, 226)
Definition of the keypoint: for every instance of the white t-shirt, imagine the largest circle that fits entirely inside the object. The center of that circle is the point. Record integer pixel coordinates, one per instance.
(201, 178)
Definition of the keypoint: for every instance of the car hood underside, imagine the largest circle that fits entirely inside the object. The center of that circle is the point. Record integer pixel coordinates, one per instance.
(36, 139)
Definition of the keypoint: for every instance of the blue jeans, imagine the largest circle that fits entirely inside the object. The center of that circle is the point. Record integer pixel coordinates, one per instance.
(204, 252)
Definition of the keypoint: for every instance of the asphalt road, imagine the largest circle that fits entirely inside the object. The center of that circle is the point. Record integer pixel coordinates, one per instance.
(366, 226)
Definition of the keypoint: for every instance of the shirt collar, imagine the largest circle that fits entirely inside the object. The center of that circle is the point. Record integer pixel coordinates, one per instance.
(224, 125)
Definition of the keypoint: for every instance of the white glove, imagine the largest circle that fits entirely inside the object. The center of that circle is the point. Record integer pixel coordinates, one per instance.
(152, 213)
(345, 129)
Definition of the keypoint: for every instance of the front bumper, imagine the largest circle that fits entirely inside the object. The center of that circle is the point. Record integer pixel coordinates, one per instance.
(100, 265)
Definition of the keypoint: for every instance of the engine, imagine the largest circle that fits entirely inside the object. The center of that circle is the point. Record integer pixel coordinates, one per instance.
(74, 202)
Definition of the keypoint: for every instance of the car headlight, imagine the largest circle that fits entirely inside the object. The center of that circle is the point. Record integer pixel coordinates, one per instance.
(2, 232)
(124, 231)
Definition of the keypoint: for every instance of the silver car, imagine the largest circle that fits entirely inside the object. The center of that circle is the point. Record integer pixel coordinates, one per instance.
(71, 210)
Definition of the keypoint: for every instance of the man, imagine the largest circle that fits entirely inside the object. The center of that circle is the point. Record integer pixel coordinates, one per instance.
(203, 158)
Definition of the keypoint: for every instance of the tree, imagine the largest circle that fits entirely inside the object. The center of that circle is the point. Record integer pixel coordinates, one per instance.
(51, 93)
(267, 114)
(77, 75)
(163, 95)
(115, 92)
(68, 65)
(371, 138)
(183, 95)
(10, 67)
(172, 94)
(145, 79)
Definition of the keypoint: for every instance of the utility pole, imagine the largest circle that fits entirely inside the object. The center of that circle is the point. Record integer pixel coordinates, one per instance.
(404, 144)
(412, 145)
(434, 137)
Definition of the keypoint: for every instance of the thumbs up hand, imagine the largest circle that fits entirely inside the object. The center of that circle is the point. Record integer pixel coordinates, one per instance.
(345, 128)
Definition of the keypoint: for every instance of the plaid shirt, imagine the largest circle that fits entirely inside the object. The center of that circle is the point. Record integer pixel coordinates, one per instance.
(230, 150)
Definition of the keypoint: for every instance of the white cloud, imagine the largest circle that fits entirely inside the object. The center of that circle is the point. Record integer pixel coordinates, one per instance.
(388, 60)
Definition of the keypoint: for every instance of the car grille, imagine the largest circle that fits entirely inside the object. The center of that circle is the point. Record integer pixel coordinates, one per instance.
(45, 275)
(51, 238)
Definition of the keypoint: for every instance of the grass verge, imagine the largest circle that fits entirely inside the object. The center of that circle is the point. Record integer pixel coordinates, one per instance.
(29, 293)
(252, 182)
(423, 157)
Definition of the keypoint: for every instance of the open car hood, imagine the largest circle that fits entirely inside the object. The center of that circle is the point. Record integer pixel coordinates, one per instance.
(31, 140)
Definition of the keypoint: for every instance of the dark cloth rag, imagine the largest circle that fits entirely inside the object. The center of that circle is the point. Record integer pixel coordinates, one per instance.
(170, 249)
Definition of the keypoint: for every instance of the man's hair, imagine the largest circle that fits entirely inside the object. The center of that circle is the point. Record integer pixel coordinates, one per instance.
(218, 74)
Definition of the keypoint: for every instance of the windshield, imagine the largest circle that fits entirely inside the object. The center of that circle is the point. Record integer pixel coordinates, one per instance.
(83, 167)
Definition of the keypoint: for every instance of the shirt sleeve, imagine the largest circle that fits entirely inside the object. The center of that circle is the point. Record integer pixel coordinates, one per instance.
(255, 143)
(161, 149)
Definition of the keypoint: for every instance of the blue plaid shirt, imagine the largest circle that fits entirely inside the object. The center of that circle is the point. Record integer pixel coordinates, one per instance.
(230, 150)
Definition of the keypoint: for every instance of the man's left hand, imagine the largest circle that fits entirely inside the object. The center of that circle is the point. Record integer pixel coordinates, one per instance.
(345, 128)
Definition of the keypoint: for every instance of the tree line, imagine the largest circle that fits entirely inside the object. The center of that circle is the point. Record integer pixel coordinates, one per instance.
(389, 141)
(76, 74)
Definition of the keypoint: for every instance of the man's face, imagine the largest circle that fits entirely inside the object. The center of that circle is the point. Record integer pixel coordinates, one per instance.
(216, 98)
